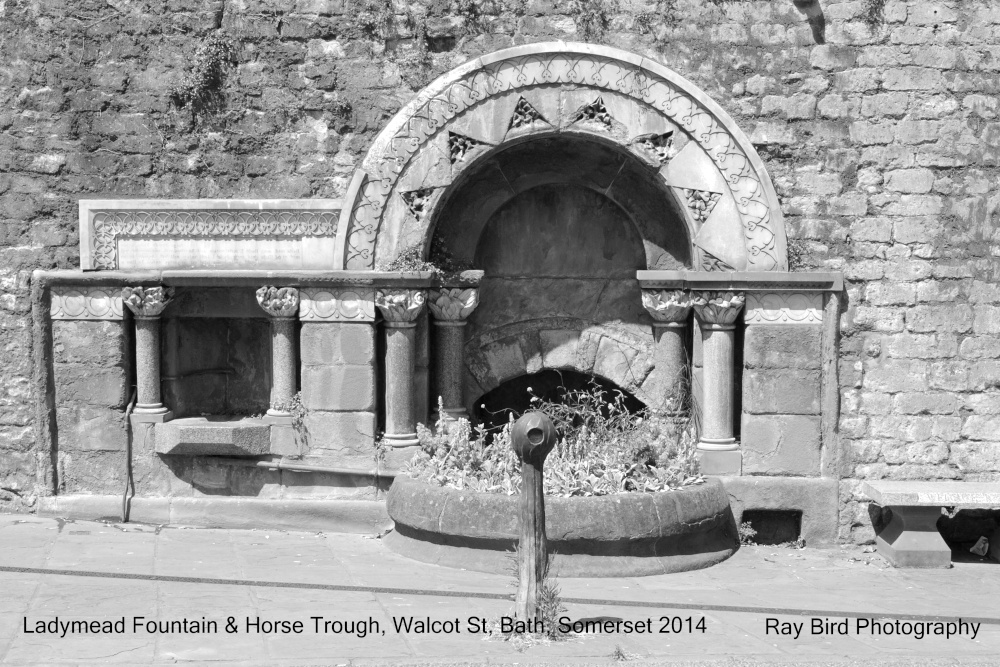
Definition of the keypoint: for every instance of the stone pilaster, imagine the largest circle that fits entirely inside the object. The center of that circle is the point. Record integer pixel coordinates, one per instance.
(400, 309)
(670, 310)
(282, 305)
(147, 304)
(717, 313)
(451, 307)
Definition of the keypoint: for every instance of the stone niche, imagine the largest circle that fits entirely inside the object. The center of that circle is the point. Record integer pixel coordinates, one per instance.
(215, 351)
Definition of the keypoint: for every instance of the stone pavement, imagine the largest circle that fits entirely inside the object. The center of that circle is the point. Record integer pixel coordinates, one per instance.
(52, 570)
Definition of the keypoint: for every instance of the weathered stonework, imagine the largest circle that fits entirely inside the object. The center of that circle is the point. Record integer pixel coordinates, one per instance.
(879, 144)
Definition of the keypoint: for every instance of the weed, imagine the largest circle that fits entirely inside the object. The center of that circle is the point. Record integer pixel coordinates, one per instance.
(747, 533)
(593, 17)
(873, 13)
(200, 89)
(603, 449)
(797, 251)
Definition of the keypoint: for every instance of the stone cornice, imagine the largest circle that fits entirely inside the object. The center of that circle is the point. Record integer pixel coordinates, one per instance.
(743, 281)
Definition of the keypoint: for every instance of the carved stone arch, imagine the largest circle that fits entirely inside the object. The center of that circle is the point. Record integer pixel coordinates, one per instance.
(612, 353)
(588, 90)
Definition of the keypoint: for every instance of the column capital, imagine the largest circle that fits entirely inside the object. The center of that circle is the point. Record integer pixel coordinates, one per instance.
(718, 310)
(282, 302)
(668, 307)
(453, 304)
(400, 306)
(147, 302)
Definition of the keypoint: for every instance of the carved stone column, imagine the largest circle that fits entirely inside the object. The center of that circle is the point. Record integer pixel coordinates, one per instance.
(717, 313)
(670, 310)
(282, 304)
(147, 304)
(451, 307)
(400, 308)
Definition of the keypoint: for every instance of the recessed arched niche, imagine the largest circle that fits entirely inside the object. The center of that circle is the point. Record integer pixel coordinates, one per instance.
(560, 225)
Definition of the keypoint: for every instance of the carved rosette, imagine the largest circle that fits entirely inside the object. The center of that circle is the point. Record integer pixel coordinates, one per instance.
(453, 304)
(278, 301)
(147, 302)
(400, 307)
(718, 310)
(668, 307)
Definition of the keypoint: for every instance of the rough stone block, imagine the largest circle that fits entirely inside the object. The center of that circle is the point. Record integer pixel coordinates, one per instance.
(780, 445)
(100, 344)
(559, 348)
(102, 387)
(331, 343)
(783, 346)
(90, 428)
(198, 436)
(505, 359)
(338, 387)
(342, 434)
(782, 391)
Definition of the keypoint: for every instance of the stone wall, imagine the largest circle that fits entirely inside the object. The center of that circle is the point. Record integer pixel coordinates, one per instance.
(883, 145)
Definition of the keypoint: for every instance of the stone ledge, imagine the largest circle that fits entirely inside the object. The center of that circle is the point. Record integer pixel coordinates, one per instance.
(743, 281)
(333, 516)
(213, 436)
(933, 494)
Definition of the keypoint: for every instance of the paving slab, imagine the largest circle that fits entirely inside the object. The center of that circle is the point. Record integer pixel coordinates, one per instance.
(89, 571)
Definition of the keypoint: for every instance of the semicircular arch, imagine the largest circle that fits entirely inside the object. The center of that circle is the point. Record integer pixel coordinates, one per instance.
(655, 114)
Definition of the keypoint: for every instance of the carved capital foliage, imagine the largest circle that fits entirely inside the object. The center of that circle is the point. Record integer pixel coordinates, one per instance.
(718, 308)
(400, 305)
(86, 303)
(453, 303)
(278, 301)
(147, 301)
(337, 305)
(667, 305)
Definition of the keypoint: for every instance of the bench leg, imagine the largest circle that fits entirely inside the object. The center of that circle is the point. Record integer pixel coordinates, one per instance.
(912, 539)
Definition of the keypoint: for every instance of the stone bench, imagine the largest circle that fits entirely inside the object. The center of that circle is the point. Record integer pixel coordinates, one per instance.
(911, 538)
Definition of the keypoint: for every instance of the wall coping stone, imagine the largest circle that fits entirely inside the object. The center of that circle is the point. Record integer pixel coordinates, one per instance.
(743, 281)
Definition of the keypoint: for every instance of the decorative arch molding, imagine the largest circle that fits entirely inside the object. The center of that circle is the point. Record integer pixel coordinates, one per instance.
(654, 113)
(616, 354)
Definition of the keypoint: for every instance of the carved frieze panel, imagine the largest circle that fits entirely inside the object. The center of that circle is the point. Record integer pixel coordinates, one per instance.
(86, 303)
(208, 234)
(337, 305)
(784, 308)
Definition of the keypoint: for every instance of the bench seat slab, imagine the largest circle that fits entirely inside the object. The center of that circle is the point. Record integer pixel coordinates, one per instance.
(911, 538)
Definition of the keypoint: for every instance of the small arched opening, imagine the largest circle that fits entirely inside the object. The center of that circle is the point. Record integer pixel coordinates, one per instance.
(520, 394)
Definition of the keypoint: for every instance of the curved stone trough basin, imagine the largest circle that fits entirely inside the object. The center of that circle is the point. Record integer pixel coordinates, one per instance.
(630, 534)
